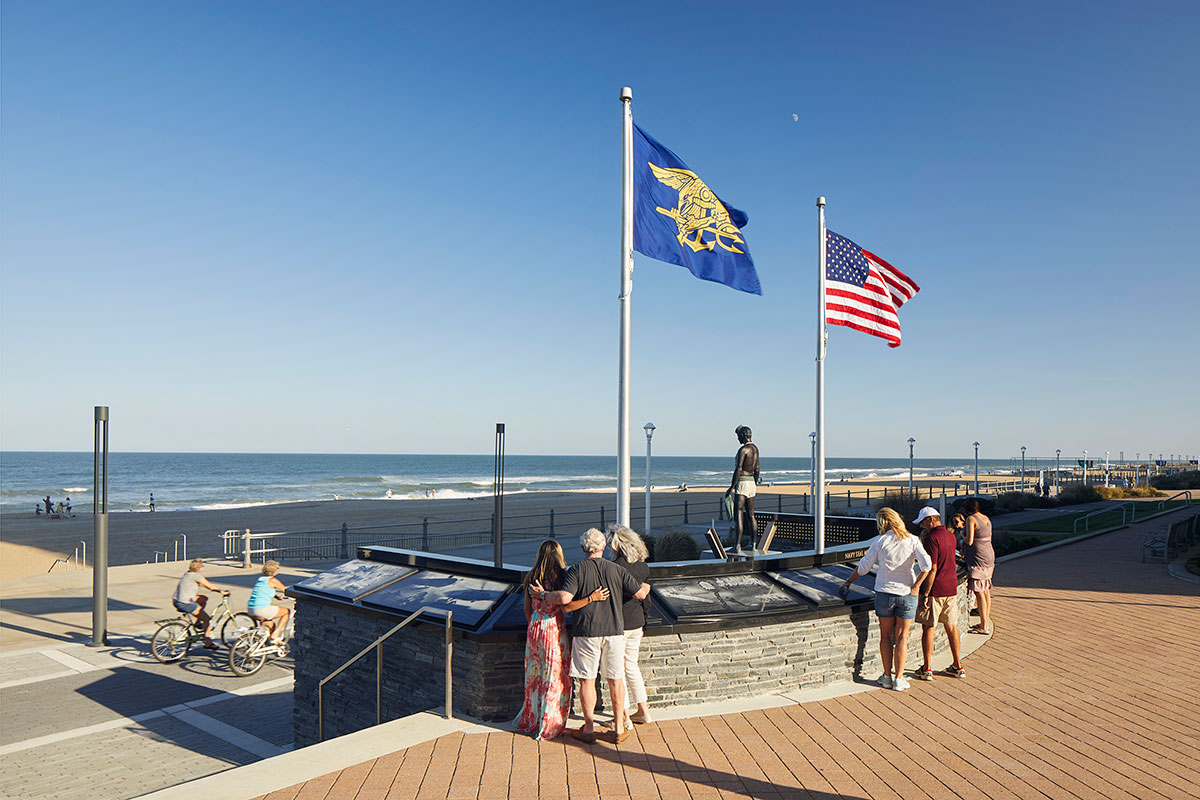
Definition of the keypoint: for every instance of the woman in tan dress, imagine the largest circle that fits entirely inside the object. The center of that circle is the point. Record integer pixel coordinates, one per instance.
(981, 562)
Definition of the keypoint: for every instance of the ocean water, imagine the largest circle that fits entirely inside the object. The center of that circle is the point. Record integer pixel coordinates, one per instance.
(197, 481)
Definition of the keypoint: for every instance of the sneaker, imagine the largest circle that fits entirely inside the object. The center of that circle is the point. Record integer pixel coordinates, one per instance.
(923, 674)
(885, 681)
(900, 684)
(957, 672)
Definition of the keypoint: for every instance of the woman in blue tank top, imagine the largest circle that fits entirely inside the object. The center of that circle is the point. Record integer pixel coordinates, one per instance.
(275, 617)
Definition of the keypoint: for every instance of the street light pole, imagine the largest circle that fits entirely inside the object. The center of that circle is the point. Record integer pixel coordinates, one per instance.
(977, 469)
(1085, 467)
(911, 442)
(649, 429)
(1022, 469)
(1057, 461)
(1106, 481)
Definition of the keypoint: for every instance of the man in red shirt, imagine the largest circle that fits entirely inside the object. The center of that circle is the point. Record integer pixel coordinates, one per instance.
(939, 593)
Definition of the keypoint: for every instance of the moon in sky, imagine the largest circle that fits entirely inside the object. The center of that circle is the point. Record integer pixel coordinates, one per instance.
(795, 117)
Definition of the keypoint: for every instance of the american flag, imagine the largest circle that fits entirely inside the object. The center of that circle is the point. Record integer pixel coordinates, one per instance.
(862, 291)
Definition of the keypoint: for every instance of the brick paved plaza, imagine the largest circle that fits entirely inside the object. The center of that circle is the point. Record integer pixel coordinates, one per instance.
(1087, 690)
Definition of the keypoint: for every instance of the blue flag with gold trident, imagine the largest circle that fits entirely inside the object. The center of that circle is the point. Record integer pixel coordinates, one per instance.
(678, 219)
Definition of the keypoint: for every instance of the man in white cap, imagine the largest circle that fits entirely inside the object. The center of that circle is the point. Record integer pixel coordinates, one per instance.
(939, 593)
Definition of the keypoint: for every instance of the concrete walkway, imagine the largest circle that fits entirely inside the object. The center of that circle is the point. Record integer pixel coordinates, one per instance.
(110, 722)
(1087, 690)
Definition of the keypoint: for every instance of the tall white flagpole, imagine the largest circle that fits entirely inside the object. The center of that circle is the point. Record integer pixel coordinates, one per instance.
(822, 335)
(626, 270)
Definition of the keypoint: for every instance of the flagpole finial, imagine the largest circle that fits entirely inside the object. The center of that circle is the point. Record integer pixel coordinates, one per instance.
(820, 201)
(626, 94)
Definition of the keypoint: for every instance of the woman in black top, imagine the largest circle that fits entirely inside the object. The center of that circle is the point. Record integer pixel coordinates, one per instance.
(630, 553)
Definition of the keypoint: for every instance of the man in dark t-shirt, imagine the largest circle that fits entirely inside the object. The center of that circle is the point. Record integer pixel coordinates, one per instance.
(598, 630)
(939, 593)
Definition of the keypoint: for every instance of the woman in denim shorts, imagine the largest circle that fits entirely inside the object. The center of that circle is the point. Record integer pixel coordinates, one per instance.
(900, 563)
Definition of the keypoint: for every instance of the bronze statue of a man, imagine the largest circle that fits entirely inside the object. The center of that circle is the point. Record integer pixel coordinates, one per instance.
(743, 487)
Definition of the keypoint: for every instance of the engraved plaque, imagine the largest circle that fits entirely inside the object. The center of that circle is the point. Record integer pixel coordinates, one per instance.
(723, 595)
(469, 599)
(354, 579)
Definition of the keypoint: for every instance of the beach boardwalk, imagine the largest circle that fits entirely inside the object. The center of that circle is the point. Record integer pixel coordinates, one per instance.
(1087, 690)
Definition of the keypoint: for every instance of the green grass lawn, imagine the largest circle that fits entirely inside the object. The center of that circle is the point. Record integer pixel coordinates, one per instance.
(1065, 523)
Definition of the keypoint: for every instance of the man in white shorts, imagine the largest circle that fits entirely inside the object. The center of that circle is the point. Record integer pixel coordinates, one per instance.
(598, 631)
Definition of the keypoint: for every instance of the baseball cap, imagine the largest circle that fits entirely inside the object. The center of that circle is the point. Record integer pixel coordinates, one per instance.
(927, 511)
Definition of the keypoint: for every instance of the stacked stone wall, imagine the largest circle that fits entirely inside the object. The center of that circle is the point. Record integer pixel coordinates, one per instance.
(680, 669)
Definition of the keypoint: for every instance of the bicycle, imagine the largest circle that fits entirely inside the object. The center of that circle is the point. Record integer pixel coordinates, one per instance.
(252, 648)
(176, 635)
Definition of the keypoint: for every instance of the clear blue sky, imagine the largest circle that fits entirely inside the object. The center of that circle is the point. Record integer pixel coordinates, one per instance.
(383, 227)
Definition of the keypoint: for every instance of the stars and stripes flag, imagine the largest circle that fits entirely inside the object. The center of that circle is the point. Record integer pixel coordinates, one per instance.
(862, 291)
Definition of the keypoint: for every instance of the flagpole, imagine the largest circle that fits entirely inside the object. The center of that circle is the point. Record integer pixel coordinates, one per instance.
(626, 275)
(822, 335)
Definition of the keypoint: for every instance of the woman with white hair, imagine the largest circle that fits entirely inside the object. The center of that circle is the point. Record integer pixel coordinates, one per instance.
(630, 553)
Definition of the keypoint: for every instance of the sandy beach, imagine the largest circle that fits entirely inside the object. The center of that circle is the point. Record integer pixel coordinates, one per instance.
(30, 544)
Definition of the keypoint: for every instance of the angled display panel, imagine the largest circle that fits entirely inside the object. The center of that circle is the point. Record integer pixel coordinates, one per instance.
(723, 595)
(470, 599)
(820, 585)
(510, 616)
(354, 579)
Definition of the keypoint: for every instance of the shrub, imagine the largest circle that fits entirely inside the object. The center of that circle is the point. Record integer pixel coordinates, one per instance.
(1117, 492)
(905, 504)
(986, 505)
(1182, 480)
(1019, 501)
(649, 540)
(676, 546)
(1014, 543)
(1078, 494)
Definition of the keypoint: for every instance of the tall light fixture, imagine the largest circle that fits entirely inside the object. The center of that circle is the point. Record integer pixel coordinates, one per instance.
(649, 429)
(1085, 467)
(1057, 464)
(911, 442)
(977, 469)
(1106, 483)
(1022, 468)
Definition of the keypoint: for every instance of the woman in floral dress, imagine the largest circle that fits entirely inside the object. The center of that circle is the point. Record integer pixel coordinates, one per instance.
(548, 648)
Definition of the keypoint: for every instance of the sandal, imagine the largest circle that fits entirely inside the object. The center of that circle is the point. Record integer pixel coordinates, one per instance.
(977, 629)
(586, 738)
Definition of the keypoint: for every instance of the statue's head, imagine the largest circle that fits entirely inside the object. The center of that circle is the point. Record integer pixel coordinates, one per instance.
(743, 433)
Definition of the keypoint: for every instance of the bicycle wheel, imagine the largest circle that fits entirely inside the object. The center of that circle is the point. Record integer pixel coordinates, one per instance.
(170, 642)
(248, 653)
(239, 623)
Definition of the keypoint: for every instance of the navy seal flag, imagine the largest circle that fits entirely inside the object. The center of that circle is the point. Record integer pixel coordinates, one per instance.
(677, 218)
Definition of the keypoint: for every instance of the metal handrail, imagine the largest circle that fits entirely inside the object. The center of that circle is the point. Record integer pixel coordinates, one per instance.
(1162, 504)
(1087, 527)
(378, 647)
(57, 561)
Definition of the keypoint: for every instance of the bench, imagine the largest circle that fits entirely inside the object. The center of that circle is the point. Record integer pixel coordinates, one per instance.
(1168, 542)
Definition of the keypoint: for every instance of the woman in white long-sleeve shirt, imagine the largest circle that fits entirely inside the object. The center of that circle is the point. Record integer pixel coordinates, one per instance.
(901, 563)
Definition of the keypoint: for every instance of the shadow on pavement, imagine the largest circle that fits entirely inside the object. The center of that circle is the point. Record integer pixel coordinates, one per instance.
(128, 691)
(41, 606)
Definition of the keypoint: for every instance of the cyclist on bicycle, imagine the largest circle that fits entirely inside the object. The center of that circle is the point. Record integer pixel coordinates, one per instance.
(274, 617)
(187, 600)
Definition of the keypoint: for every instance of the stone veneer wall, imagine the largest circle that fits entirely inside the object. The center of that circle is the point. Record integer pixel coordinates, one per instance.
(489, 677)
